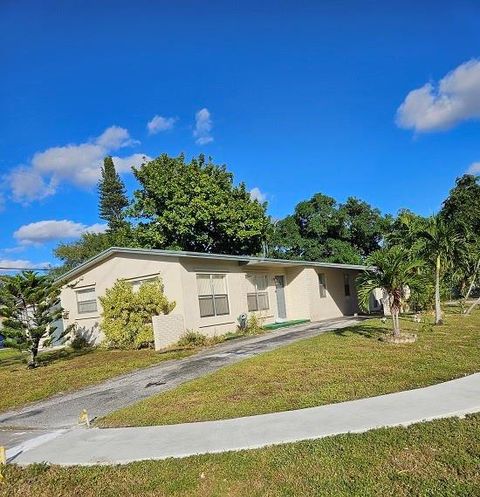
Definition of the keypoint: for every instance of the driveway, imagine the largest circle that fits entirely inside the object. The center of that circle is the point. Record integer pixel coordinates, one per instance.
(62, 411)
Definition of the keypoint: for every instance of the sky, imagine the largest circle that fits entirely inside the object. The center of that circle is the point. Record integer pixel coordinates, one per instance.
(377, 100)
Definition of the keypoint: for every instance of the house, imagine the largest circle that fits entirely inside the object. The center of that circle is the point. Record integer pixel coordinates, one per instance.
(212, 290)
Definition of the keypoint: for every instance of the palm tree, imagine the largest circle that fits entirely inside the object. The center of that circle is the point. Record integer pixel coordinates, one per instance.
(443, 246)
(393, 270)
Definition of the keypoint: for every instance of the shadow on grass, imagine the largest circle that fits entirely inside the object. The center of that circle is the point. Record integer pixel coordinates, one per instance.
(362, 330)
(64, 354)
(45, 358)
(379, 330)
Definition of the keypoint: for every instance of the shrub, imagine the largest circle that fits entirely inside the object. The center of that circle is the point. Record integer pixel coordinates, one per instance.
(127, 315)
(254, 325)
(193, 339)
(79, 340)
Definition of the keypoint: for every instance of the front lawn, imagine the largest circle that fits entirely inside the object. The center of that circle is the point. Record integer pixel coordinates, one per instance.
(439, 458)
(334, 367)
(65, 370)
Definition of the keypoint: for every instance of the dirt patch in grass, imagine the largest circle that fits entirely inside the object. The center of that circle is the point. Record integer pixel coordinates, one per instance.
(347, 364)
(438, 458)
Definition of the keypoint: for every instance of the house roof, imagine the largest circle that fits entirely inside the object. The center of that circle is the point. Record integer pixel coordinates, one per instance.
(244, 260)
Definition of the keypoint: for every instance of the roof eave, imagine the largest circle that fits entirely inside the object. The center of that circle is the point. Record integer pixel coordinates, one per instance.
(244, 260)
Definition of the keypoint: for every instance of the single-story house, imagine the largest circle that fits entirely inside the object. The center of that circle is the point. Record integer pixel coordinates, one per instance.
(212, 290)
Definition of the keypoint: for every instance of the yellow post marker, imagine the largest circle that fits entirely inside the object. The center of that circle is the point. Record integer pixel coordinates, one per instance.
(3, 463)
(83, 418)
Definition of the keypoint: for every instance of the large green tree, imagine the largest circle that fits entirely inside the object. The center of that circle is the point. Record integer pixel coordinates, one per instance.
(112, 196)
(196, 206)
(30, 305)
(321, 229)
(461, 211)
(74, 253)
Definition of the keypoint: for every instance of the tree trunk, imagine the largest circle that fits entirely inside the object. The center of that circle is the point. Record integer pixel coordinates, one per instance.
(396, 323)
(470, 309)
(395, 309)
(438, 308)
(33, 356)
(474, 279)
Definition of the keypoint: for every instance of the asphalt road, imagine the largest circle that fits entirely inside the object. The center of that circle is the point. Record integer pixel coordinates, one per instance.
(62, 411)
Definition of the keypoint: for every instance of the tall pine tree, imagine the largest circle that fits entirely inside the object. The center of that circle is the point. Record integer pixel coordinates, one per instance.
(112, 196)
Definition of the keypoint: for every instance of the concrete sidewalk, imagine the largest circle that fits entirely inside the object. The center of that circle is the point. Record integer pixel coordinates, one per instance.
(123, 445)
(62, 411)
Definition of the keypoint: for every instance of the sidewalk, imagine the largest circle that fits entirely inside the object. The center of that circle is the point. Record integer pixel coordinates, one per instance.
(124, 445)
(62, 411)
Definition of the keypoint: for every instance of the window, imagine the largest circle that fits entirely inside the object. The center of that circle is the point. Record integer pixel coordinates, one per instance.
(322, 285)
(86, 301)
(346, 284)
(136, 284)
(212, 295)
(257, 295)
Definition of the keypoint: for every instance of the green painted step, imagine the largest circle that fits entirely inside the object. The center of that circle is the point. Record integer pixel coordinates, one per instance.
(274, 326)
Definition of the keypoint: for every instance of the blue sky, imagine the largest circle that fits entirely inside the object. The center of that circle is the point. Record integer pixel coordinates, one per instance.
(296, 97)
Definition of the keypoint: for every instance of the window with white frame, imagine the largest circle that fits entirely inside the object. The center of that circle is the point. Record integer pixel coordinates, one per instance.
(257, 294)
(136, 284)
(346, 284)
(322, 285)
(212, 295)
(86, 301)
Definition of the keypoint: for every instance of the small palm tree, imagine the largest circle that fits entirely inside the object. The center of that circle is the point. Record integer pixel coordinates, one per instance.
(443, 246)
(393, 270)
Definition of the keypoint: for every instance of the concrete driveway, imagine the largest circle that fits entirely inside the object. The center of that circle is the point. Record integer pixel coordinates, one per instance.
(62, 411)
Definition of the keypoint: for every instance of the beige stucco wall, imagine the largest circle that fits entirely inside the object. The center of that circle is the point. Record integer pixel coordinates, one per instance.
(237, 294)
(302, 295)
(104, 275)
(335, 303)
(179, 279)
(296, 293)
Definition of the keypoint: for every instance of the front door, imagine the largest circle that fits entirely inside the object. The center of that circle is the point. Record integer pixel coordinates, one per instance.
(280, 290)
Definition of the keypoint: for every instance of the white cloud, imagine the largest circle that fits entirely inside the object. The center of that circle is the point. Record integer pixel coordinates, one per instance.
(160, 123)
(46, 231)
(21, 264)
(125, 164)
(474, 168)
(27, 183)
(455, 98)
(2, 202)
(76, 164)
(114, 138)
(203, 127)
(257, 194)
(11, 250)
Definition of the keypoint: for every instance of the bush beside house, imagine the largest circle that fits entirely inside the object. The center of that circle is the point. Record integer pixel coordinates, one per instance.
(127, 314)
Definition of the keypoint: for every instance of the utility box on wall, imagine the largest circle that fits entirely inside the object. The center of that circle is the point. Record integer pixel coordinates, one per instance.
(167, 329)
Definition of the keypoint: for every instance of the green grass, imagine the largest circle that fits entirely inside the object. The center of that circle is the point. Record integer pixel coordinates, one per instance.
(437, 459)
(9, 354)
(338, 366)
(65, 370)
